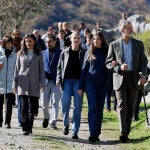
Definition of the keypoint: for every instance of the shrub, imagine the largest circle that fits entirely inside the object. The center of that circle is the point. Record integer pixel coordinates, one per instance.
(145, 37)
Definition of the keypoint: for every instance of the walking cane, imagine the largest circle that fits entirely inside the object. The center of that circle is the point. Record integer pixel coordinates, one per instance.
(145, 107)
(147, 118)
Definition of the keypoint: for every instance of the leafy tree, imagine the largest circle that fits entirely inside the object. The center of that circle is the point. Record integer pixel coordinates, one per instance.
(13, 12)
(145, 37)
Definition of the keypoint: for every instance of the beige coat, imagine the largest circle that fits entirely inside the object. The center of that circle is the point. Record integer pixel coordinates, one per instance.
(29, 76)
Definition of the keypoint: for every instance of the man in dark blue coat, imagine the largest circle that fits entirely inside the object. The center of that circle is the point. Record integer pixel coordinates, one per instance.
(52, 92)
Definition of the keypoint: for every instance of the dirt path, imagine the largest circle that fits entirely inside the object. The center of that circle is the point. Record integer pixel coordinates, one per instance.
(13, 138)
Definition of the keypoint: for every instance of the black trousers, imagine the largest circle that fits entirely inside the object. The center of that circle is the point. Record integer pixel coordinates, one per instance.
(28, 106)
(126, 103)
(9, 99)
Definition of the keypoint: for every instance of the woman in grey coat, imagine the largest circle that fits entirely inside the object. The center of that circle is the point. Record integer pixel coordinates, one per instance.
(29, 78)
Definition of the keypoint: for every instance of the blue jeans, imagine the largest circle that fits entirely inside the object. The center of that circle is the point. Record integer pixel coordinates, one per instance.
(96, 99)
(70, 88)
(19, 110)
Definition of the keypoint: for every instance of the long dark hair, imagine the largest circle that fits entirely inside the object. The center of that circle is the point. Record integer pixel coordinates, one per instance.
(24, 47)
(104, 44)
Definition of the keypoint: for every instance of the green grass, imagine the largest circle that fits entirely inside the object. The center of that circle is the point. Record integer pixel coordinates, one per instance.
(49, 139)
(146, 40)
(139, 135)
(50, 143)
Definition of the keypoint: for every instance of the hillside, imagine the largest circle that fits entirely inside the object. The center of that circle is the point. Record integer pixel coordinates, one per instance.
(88, 11)
(43, 13)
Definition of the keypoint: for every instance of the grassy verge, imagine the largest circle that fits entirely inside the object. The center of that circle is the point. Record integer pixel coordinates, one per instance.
(46, 139)
(49, 139)
(140, 134)
(48, 143)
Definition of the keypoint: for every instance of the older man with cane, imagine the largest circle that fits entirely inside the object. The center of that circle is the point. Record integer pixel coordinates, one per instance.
(126, 58)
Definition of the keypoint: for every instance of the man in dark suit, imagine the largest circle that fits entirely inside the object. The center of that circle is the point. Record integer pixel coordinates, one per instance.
(40, 41)
(126, 58)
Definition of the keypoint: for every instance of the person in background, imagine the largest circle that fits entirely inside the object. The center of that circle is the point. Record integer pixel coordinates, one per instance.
(65, 27)
(50, 31)
(147, 85)
(42, 47)
(99, 25)
(29, 63)
(87, 32)
(110, 92)
(82, 28)
(17, 38)
(141, 91)
(94, 81)
(40, 41)
(61, 39)
(7, 63)
(60, 26)
(75, 28)
(126, 58)
(52, 92)
(68, 32)
(16, 35)
(1, 48)
(88, 44)
(68, 75)
(124, 16)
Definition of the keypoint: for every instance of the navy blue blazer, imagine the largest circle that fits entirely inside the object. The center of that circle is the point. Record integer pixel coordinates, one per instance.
(50, 65)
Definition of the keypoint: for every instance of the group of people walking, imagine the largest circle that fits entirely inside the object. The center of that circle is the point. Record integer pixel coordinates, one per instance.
(64, 71)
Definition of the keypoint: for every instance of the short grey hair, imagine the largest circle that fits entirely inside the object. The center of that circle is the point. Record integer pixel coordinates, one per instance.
(123, 23)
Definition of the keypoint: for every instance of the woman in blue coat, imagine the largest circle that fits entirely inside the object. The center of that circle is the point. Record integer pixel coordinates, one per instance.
(7, 63)
(94, 80)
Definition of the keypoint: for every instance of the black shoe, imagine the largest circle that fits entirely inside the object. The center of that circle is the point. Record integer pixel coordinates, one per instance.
(30, 131)
(7, 126)
(35, 115)
(92, 139)
(53, 126)
(66, 130)
(123, 138)
(25, 133)
(1, 124)
(97, 139)
(74, 136)
(45, 123)
(135, 118)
